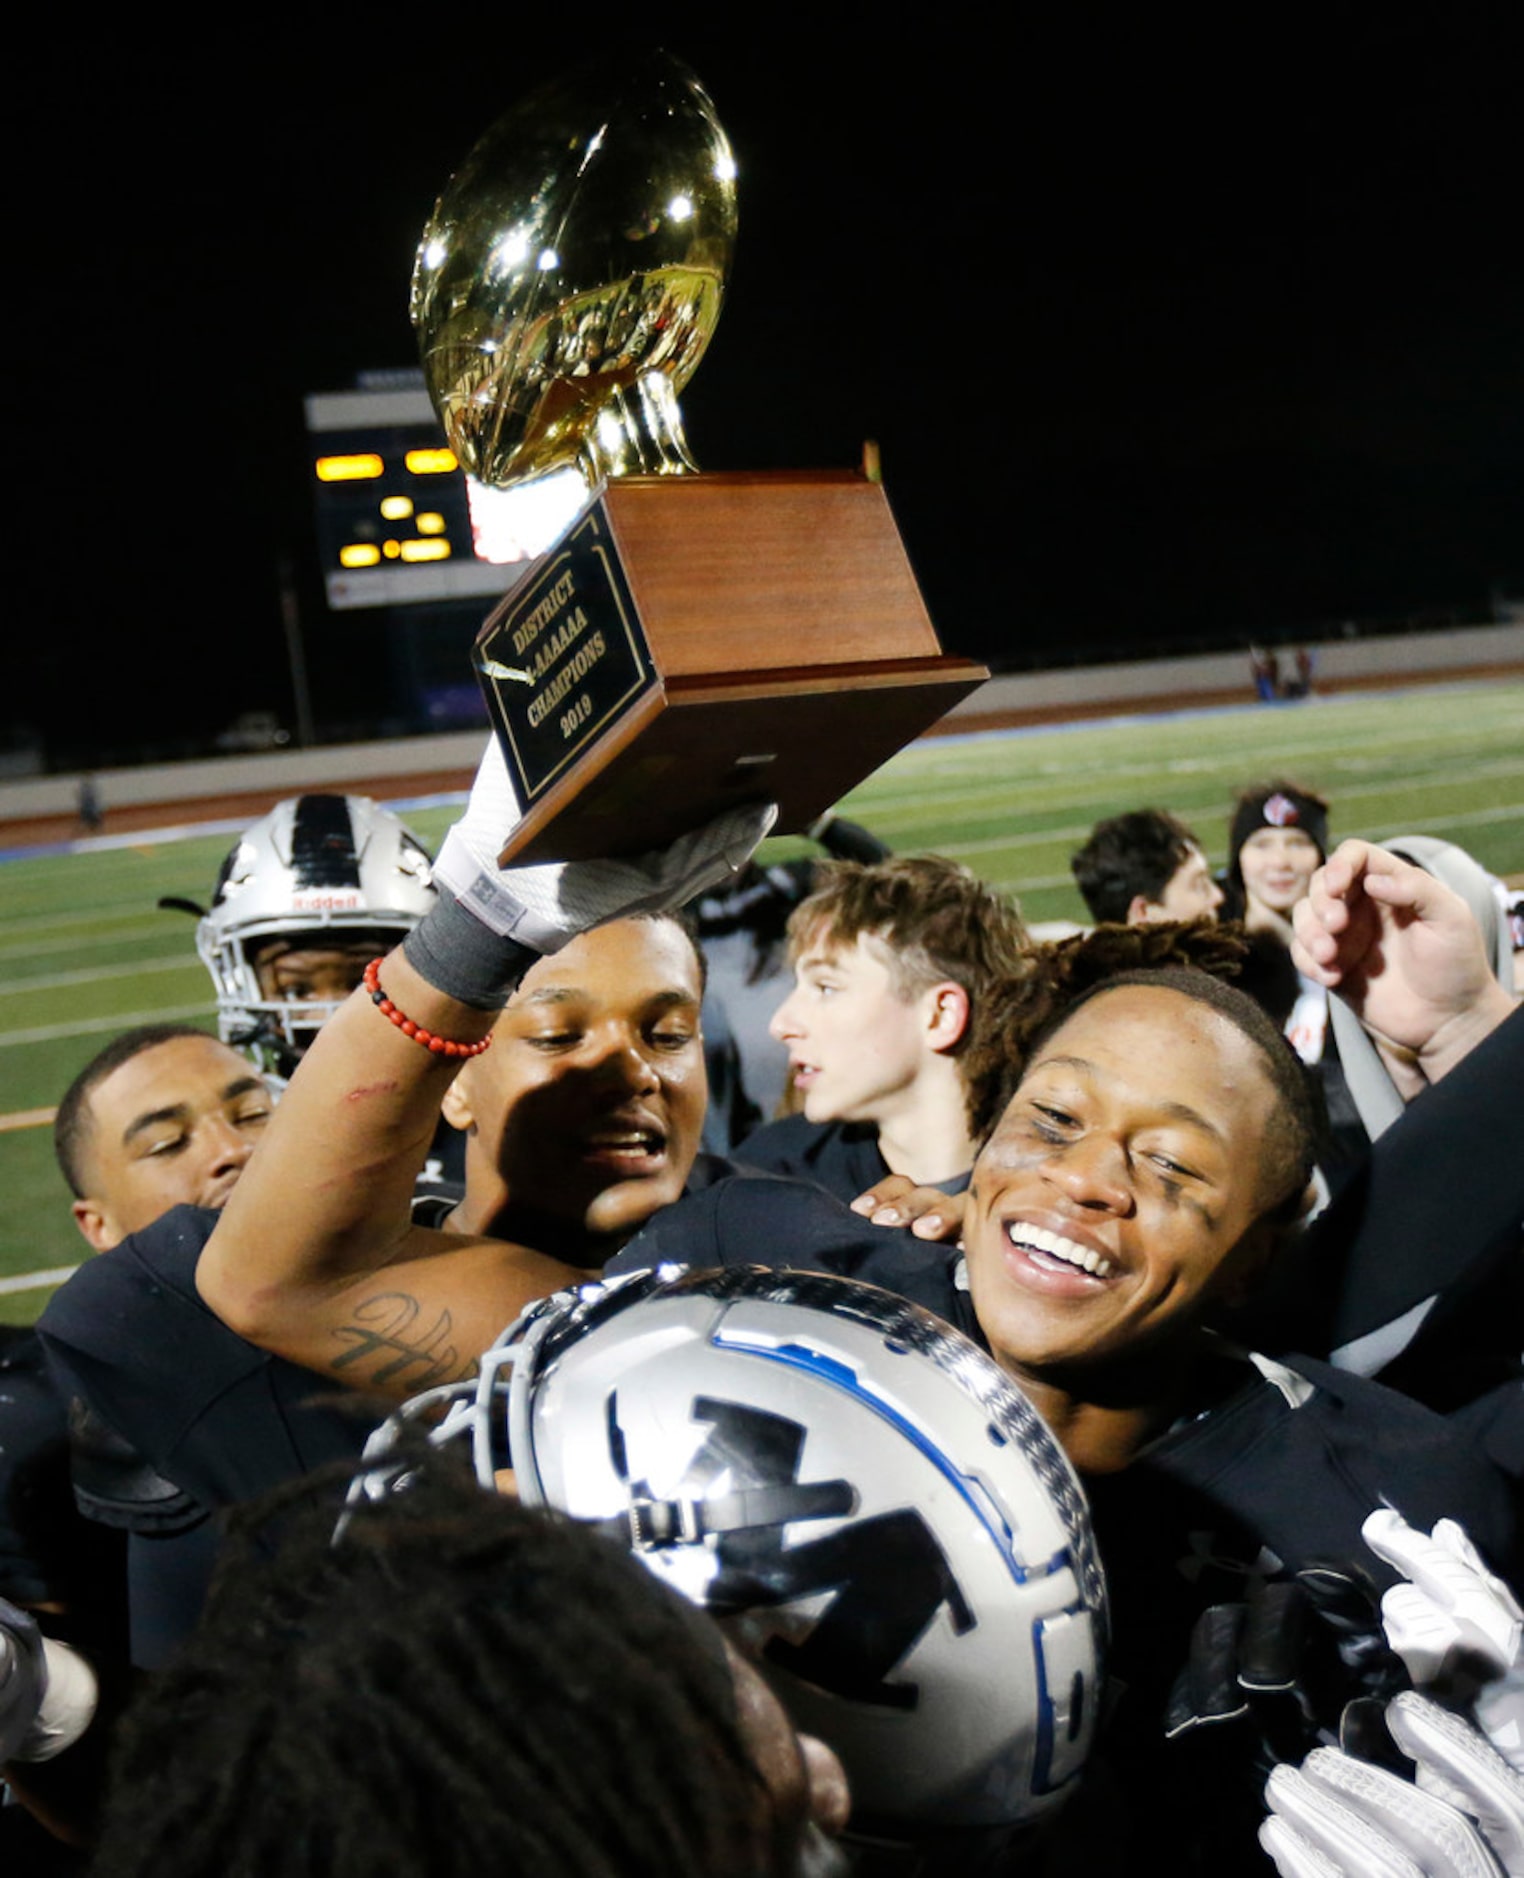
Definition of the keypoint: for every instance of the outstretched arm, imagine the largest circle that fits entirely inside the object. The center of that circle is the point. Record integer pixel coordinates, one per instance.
(1405, 953)
(316, 1256)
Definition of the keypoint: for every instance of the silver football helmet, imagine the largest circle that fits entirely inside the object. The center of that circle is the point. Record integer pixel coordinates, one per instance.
(852, 1482)
(316, 870)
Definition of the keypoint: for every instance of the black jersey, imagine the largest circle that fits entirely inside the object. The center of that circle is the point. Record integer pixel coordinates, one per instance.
(842, 1157)
(48, 1555)
(131, 1336)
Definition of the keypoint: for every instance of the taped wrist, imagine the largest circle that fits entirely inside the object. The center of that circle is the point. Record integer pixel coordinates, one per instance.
(464, 959)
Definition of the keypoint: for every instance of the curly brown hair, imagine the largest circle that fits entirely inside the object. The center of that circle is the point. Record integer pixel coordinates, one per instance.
(935, 919)
(1197, 959)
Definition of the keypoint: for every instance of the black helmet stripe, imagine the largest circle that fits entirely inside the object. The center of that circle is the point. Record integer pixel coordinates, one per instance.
(323, 843)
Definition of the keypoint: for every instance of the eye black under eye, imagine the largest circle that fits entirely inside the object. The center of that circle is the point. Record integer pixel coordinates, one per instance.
(1171, 1169)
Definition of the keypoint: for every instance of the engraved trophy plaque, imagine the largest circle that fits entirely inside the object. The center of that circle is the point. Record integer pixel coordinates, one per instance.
(692, 641)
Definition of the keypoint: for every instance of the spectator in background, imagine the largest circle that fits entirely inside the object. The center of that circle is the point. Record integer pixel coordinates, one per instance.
(1265, 670)
(1144, 866)
(92, 817)
(1277, 840)
(1299, 685)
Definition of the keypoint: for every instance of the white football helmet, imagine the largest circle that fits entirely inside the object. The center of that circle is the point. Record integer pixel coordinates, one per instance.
(855, 1483)
(317, 869)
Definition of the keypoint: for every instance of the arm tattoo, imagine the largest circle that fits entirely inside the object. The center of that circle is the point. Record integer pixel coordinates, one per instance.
(383, 1330)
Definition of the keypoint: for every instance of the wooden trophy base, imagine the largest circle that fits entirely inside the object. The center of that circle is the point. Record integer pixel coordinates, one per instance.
(695, 643)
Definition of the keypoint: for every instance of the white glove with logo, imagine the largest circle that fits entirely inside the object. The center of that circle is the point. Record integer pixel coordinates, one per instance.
(546, 905)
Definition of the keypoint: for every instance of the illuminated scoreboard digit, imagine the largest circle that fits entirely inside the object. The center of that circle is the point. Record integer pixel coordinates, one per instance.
(392, 515)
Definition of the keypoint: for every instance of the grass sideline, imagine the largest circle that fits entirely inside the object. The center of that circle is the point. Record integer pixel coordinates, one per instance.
(85, 952)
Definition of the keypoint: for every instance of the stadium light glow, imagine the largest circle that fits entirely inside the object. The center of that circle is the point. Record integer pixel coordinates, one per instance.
(359, 554)
(430, 522)
(430, 462)
(512, 524)
(435, 550)
(396, 508)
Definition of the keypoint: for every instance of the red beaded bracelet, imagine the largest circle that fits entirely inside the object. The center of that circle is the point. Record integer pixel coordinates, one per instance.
(441, 1046)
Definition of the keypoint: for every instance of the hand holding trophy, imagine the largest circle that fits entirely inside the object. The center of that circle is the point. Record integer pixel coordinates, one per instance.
(690, 643)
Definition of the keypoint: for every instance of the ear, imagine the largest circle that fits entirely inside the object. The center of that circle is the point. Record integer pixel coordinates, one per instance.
(947, 1013)
(99, 1231)
(1141, 911)
(456, 1106)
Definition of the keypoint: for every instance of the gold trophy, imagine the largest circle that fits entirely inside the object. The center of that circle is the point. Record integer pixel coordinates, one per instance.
(690, 642)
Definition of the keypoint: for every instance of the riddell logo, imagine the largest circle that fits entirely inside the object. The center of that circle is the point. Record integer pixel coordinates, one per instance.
(1281, 812)
(325, 902)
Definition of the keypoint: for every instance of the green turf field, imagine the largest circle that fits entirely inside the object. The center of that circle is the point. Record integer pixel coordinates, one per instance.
(84, 952)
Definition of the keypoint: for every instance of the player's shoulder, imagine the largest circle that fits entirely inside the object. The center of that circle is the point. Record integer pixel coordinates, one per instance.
(161, 1258)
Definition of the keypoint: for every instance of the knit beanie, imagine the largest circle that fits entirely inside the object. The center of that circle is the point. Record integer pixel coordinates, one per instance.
(1277, 805)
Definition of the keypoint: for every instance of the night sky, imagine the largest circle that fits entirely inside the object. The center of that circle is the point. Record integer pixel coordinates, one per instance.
(1167, 334)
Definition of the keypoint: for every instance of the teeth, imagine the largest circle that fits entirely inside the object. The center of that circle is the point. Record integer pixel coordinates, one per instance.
(1039, 1239)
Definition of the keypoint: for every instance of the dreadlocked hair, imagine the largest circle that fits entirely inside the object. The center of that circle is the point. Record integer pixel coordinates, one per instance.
(1198, 959)
(459, 1684)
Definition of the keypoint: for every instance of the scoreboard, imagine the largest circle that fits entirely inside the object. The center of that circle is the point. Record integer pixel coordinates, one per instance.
(394, 520)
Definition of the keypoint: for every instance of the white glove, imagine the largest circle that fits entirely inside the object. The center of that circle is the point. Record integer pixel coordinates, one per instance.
(1457, 1627)
(1337, 1817)
(546, 905)
(47, 1690)
(1458, 1764)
